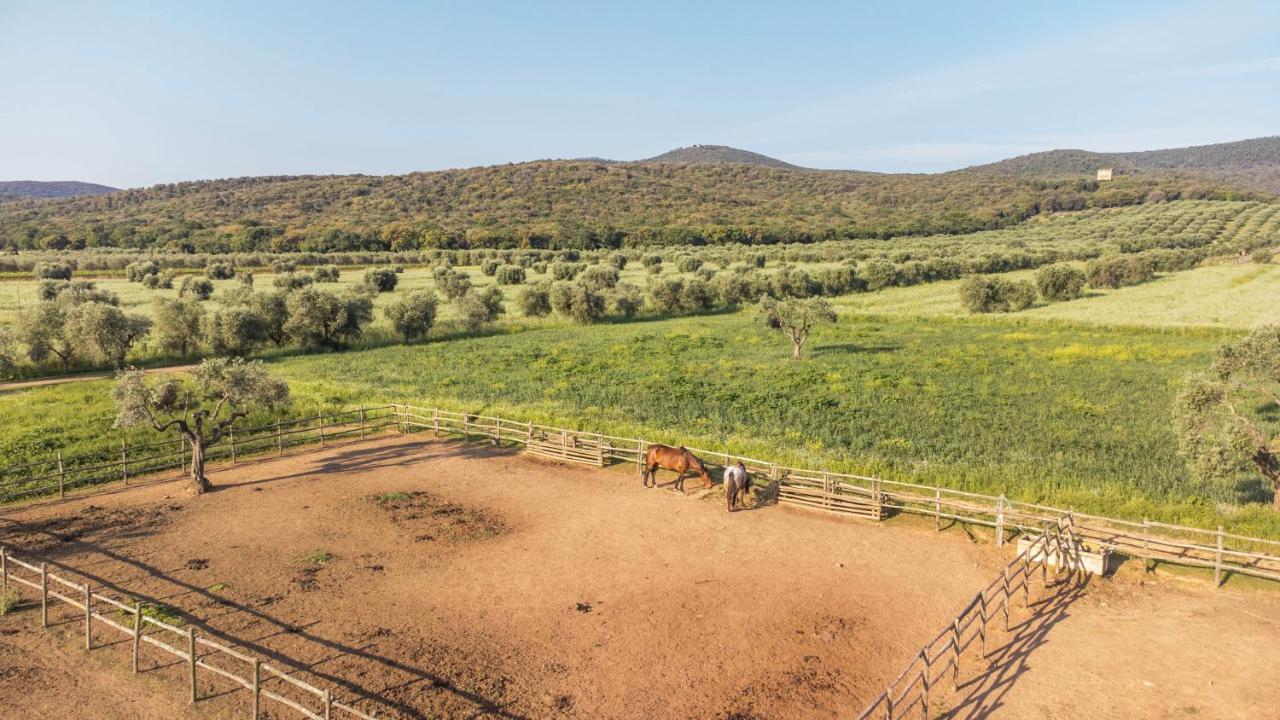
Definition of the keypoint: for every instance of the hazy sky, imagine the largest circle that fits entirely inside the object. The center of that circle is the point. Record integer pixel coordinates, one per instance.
(132, 94)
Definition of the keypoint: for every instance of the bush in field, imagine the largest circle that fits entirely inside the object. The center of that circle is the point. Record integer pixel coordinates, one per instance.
(413, 314)
(104, 331)
(1262, 256)
(321, 319)
(878, 274)
(195, 287)
(738, 288)
(651, 261)
(509, 275)
(688, 263)
(837, 281)
(140, 270)
(220, 271)
(8, 350)
(49, 289)
(489, 267)
(279, 267)
(539, 267)
(380, 280)
(534, 300)
(292, 280)
(985, 294)
(246, 278)
(162, 280)
(1060, 282)
(1119, 271)
(663, 295)
(758, 260)
(325, 274)
(52, 271)
(791, 281)
(627, 299)
(452, 283)
(82, 291)
(1225, 420)
(179, 325)
(697, 295)
(476, 309)
(237, 331)
(796, 318)
(600, 277)
(618, 261)
(577, 301)
(705, 273)
(565, 270)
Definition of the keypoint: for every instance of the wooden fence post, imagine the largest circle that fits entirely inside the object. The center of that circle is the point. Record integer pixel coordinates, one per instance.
(232, 435)
(1146, 544)
(44, 594)
(1217, 562)
(955, 649)
(497, 432)
(466, 427)
(4, 571)
(328, 704)
(88, 618)
(1000, 521)
(191, 651)
(937, 509)
(321, 432)
(124, 461)
(279, 439)
(924, 686)
(888, 703)
(137, 634)
(435, 421)
(257, 688)
(361, 421)
(62, 477)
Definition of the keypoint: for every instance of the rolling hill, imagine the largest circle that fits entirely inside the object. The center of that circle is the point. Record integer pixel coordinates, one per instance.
(1249, 163)
(56, 189)
(718, 154)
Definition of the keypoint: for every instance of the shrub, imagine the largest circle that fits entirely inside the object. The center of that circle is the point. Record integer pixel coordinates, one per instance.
(1060, 282)
(534, 300)
(179, 325)
(325, 274)
(237, 330)
(195, 287)
(791, 281)
(380, 280)
(618, 261)
(984, 294)
(283, 266)
(49, 289)
(565, 270)
(1262, 256)
(321, 319)
(451, 282)
(577, 301)
(705, 273)
(219, 271)
(539, 267)
(489, 267)
(477, 308)
(663, 295)
(758, 260)
(600, 277)
(140, 270)
(650, 261)
(837, 281)
(413, 314)
(878, 274)
(52, 271)
(292, 280)
(627, 300)
(509, 275)
(688, 263)
(737, 288)
(1116, 272)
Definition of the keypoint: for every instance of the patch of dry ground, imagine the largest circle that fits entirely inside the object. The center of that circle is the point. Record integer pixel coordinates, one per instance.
(436, 579)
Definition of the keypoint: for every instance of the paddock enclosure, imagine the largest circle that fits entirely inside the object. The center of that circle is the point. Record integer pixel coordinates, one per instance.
(415, 577)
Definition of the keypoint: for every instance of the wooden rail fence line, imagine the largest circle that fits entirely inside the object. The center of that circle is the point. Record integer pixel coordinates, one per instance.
(876, 498)
(198, 653)
(1054, 548)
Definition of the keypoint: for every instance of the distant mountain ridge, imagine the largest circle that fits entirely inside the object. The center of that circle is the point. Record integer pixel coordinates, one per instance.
(713, 154)
(1253, 163)
(55, 189)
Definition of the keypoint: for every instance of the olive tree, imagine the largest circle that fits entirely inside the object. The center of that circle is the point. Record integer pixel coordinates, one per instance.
(105, 331)
(413, 314)
(476, 309)
(43, 330)
(1222, 418)
(320, 319)
(195, 287)
(201, 407)
(179, 324)
(8, 350)
(796, 317)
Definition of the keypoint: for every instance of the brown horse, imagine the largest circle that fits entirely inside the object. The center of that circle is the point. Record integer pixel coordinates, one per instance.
(678, 460)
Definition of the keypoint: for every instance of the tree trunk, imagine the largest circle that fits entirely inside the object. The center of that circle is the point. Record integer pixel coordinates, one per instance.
(202, 484)
(798, 344)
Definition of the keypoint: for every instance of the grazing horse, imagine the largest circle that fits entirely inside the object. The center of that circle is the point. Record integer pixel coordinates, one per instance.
(737, 483)
(678, 460)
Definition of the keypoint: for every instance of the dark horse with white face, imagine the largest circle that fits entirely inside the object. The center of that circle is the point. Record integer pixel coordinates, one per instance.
(678, 460)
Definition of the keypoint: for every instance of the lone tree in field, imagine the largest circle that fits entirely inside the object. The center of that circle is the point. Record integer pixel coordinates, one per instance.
(796, 317)
(1227, 420)
(202, 408)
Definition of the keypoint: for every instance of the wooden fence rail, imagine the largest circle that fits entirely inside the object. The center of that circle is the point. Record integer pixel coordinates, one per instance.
(188, 644)
(876, 498)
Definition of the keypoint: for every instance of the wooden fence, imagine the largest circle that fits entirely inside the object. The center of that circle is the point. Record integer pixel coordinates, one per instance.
(215, 660)
(876, 499)
(1055, 547)
(59, 474)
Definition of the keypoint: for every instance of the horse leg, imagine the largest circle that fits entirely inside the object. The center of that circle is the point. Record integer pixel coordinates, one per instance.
(730, 494)
(679, 482)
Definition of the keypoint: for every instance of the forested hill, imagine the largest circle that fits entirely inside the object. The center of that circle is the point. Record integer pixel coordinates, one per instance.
(561, 204)
(55, 189)
(1249, 163)
(718, 154)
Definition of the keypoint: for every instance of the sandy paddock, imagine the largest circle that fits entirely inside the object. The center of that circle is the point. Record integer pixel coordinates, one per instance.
(440, 579)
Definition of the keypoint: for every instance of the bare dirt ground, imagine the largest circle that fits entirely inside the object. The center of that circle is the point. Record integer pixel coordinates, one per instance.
(430, 579)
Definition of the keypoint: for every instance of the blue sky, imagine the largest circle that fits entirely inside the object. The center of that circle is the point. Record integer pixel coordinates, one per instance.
(132, 94)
